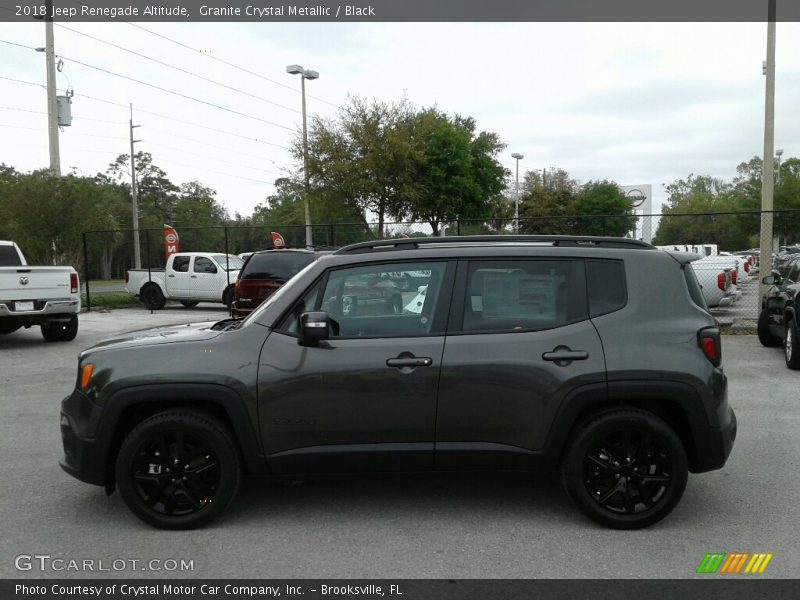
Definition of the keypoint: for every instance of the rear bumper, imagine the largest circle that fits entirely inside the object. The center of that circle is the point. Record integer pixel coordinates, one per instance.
(717, 445)
(44, 310)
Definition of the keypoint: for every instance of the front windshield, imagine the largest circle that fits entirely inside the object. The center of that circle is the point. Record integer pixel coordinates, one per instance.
(277, 295)
(231, 263)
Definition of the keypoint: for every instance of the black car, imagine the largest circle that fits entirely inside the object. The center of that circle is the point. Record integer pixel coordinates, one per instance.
(777, 321)
(594, 356)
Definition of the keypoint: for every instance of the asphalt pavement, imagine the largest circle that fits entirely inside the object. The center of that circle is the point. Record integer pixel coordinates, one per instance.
(402, 526)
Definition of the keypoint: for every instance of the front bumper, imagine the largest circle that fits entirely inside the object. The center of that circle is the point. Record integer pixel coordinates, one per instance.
(85, 457)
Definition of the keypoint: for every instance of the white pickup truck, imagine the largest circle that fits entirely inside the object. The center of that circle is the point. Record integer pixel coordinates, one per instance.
(189, 277)
(717, 273)
(45, 296)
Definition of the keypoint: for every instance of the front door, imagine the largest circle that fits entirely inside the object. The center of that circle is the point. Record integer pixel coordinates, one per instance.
(366, 398)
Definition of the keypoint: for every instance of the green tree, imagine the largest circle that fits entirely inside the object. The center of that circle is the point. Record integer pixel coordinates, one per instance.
(548, 202)
(604, 198)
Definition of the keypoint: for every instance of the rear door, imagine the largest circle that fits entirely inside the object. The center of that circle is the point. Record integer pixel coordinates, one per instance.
(519, 342)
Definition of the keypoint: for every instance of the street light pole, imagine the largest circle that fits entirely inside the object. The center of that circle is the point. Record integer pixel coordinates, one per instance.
(518, 157)
(767, 172)
(305, 74)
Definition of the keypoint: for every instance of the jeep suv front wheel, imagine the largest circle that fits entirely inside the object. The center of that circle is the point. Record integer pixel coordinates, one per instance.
(178, 469)
(625, 469)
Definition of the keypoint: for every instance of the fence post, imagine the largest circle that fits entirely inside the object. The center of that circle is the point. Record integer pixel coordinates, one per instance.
(227, 273)
(149, 270)
(458, 226)
(86, 274)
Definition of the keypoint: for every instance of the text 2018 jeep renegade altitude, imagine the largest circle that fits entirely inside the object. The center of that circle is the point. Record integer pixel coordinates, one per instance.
(595, 356)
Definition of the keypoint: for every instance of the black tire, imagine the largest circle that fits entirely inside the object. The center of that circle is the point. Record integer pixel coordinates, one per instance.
(163, 490)
(60, 332)
(228, 297)
(792, 345)
(152, 296)
(189, 303)
(625, 469)
(7, 326)
(764, 334)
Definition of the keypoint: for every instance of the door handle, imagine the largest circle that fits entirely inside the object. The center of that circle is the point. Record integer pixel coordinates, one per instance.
(412, 362)
(563, 355)
(170, 275)
(193, 276)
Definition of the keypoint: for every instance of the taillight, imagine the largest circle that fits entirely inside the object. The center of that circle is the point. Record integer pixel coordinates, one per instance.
(721, 280)
(747, 266)
(733, 276)
(711, 344)
(73, 283)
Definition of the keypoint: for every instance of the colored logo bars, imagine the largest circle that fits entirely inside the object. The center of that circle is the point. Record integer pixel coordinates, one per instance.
(734, 563)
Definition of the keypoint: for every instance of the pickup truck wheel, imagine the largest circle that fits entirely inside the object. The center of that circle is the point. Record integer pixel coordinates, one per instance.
(60, 332)
(7, 327)
(189, 303)
(227, 297)
(764, 334)
(178, 469)
(625, 469)
(791, 349)
(152, 297)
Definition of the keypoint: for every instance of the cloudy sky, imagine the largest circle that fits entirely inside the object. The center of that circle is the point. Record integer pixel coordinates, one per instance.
(635, 102)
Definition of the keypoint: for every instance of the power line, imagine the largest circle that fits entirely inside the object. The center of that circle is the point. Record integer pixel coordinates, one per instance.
(230, 64)
(179, 94)
(18, 45)
(160, 62)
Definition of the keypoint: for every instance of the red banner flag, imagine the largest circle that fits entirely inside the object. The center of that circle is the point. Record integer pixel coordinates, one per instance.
(171, 242)
(277, 240)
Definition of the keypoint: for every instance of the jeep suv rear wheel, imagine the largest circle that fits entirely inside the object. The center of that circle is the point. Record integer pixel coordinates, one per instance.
(625, 469)
(178, 469)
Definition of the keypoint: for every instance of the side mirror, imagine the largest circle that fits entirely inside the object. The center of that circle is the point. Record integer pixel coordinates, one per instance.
(314, 327)
(771, 280)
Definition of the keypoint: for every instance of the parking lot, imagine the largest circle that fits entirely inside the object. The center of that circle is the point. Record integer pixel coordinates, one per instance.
(414, 526)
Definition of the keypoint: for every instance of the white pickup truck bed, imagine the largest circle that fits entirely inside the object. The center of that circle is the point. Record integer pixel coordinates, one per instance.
(45, 296)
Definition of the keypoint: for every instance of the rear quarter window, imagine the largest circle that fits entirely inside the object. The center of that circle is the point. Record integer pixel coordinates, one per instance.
(693, 285)
(9, 257)
(606, 283)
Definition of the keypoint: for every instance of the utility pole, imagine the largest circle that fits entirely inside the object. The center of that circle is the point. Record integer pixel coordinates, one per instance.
(767, 173)
(137, 252)
(52, 103)
(306, 203)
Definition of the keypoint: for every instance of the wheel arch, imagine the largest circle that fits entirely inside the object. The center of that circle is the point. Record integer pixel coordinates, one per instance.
(675, 403)
(130, 406)
(155, 283)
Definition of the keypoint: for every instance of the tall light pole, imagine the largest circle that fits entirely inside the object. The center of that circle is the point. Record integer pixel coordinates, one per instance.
(519, 157)
(305, 74)
(767, 172)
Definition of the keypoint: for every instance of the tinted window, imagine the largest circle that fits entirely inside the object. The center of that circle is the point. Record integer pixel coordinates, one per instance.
(606, 281)
(204, 265)
(378, 301)
(181, 264)
(9, 257)
(229, 262)
(276, 265)
(523, 295)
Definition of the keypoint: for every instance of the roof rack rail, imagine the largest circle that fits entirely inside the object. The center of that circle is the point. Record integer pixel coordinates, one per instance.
(555, 240)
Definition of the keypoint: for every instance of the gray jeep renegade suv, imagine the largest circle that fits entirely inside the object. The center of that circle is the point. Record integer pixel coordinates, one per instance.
(594, 356)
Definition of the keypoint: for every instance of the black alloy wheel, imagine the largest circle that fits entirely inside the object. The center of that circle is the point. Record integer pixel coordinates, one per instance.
(764, 334)
(626, 469)
(791, 350)
(178, 470)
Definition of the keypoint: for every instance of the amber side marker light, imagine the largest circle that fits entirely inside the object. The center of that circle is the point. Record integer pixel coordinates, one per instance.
(86, 375)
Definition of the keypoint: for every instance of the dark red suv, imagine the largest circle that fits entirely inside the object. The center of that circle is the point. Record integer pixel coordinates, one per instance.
(264, 273)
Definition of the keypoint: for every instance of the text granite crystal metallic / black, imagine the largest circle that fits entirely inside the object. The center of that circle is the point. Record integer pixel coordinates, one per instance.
(594, 356)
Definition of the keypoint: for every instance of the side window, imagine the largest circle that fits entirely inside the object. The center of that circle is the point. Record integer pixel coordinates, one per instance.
(204, 265)
(523, 295)
(384, 300)
(181, 264)
(606, 281)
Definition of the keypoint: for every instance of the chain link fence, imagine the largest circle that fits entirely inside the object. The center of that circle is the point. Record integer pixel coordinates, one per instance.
(729, 242)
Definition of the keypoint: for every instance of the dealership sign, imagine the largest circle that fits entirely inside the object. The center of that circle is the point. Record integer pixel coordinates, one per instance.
(171, 242)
